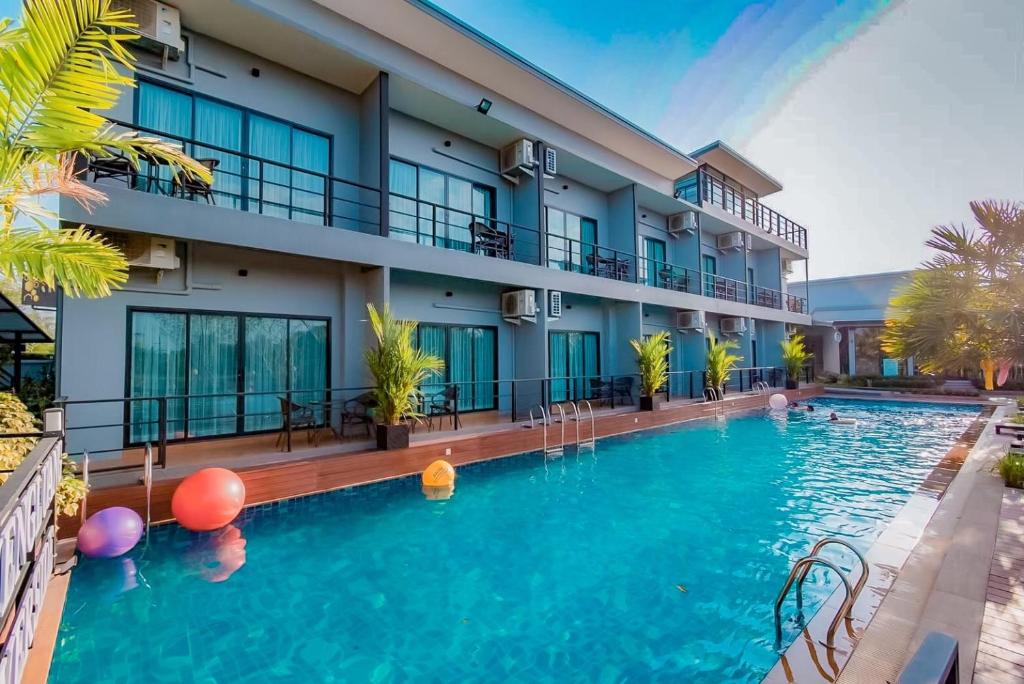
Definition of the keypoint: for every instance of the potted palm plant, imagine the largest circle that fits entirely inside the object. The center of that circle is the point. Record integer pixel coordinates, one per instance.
(652, 356)
(794, 357)
(398, 369)
(720, 363)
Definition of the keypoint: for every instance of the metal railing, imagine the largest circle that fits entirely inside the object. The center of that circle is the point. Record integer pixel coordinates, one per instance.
(733, 200)
(436, 225)
(774, 299)
(570, 254)
(250, 183)
(668, 276)
(720, 287)
(28, 516)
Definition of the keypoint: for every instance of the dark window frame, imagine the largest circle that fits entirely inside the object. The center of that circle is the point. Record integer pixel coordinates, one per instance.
(240, 370)
(571, 391)
(447, 355)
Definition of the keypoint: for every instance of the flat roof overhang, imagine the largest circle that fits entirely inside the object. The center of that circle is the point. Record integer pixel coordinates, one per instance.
(736, 166)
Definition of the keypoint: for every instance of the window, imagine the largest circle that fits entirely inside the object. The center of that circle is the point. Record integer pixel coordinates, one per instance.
(436, 208)
(572, 240)
(652, 252)
(470, 361)
(228, 371)
(573, 361)
(710, 271)
(286, 177)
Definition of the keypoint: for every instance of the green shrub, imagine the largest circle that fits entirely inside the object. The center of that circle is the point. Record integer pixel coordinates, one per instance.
(1018, 419)
(1020, 403)
(14, 417)
(1011, 467)
(894, 382)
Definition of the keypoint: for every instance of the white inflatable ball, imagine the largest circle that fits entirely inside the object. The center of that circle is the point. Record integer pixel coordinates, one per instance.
(778, 401)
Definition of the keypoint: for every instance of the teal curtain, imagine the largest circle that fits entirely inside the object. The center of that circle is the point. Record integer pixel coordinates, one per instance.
(432, 341)
(309, 151)
(168, 111)
(460, 364)
(588, 246)
(591, 360)
(270, 141)
(157, 369)
(433, 224)
(576, 365)
(402, 219)
(710, 270)
(213, 370)
(485, 348)
(654, 253)
(220, 125)
(307, 346)
(558, 365)
(266, 371)
(460, 214)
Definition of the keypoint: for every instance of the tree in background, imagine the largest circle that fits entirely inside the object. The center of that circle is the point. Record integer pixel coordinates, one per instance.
(58, 70)
(965, 308)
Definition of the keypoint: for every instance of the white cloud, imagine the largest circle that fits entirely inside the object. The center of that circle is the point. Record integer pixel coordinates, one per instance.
(899, 130)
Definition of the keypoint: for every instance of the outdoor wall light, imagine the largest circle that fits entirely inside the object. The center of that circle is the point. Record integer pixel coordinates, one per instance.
(449, 293)
(484, 106)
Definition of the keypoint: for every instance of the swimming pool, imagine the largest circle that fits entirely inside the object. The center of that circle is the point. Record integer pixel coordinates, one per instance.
(655, 558)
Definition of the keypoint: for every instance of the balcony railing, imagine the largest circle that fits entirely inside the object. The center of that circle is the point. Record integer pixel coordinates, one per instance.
(436, 225)
(669, 276)
(249, 183)
(720, 194)
(570, 254)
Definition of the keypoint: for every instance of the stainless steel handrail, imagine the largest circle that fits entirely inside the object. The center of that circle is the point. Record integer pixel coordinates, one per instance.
(592, 443)
(560, 449)
(844, 611)
(575, 419)
(861, 581)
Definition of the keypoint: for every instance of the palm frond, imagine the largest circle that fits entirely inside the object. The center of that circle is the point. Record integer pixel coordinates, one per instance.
(79, 260)
(795, 355)
(652, 357)
(720, 362)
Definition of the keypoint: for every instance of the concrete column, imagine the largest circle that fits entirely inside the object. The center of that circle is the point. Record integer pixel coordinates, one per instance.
(829, 352)
(530, 357)
(851, 350)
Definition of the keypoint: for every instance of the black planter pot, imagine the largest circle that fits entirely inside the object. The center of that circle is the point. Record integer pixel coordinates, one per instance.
(792, 384)
(649, 403)
(392, 437)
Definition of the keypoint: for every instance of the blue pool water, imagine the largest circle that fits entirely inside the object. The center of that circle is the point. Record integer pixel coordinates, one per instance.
(573, 571)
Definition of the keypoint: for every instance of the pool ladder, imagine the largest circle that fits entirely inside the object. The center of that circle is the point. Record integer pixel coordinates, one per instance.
(713, 395)
(762, 388)
(799, 573)
(547, 420)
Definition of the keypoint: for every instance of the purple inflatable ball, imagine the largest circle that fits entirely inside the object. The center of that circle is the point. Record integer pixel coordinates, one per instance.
(110, 532)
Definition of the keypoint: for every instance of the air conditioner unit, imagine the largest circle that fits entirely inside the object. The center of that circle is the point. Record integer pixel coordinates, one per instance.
(554, 304)
(519, 304)
(735, 240)
(550, 162)
(684, 222)
(732, 326)
(146, 251)
(787, 267)
(157, 23)
(517, 157)
(690, 320)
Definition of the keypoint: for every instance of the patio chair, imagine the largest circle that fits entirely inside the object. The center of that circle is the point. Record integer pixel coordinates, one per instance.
(1012, 428)
(302, 418)
(193, 187)
(623, 389)
(442, 404)
(600, 390)
(356, 412)
(116, 168)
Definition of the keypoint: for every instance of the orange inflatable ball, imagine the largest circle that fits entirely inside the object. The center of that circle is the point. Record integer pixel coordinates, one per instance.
(439, 474)
(208, 499)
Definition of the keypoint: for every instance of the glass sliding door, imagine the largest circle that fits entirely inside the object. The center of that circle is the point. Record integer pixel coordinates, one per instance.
(266, 371)
(653, 252)
(280, 169)
(223, 362)
(213, 375)
(156, 369)
(710, 271)
(470, 360)
(572, 241)
(573, 362)
(403, 191)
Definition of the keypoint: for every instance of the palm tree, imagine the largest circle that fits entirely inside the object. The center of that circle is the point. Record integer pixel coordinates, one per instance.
(398, 368)
(965, 307)
(794, 357)
(720, 363)
(58, 72)
(652, 356)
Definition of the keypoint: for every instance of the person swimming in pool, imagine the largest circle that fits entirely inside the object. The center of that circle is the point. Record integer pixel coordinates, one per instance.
(833, 417)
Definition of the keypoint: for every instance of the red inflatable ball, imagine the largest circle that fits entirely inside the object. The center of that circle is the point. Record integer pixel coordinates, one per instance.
(208, 499)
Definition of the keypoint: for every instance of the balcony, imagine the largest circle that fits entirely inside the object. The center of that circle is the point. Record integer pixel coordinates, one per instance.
(712, 191)
(570, 254)
(426, 223)
(720, 287)
(248, 183)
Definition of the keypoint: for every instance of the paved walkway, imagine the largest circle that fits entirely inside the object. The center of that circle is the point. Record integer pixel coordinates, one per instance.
(1001, 648)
